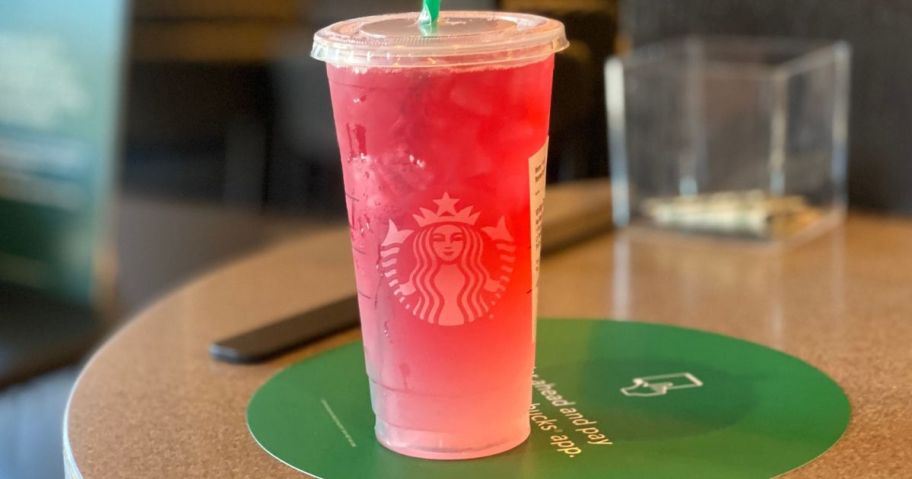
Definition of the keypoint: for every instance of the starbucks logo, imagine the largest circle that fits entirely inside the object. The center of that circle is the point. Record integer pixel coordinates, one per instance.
(445, 269)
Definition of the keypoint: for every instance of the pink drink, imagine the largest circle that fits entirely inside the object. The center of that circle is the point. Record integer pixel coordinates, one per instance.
(444, 178)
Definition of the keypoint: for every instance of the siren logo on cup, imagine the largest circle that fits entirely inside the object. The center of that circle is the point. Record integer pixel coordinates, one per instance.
(448, 270)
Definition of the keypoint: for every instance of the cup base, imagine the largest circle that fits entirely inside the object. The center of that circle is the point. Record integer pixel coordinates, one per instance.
(443, 446)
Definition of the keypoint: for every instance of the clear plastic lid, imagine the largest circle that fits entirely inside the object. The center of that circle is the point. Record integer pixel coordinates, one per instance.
(461, 38)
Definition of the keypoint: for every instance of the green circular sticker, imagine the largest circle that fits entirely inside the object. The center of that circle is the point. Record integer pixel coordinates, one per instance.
(611, 400)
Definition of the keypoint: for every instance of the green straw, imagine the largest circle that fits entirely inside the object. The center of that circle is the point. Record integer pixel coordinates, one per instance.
(427, 21)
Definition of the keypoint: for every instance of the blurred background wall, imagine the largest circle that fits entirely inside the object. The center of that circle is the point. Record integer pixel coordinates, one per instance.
(224, 103)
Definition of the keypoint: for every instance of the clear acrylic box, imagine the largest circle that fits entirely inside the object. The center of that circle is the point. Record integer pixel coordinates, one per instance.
(730, 136)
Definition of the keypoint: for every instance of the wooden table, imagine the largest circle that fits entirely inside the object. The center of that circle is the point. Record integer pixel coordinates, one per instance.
(151, 403)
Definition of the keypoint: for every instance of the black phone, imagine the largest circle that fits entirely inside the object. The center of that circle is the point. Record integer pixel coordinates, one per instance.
(289, 333)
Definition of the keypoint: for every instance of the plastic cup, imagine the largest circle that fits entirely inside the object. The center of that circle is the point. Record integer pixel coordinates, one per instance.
(443, 141)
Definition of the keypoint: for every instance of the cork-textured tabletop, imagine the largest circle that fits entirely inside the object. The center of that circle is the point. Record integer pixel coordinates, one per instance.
(151, 402)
